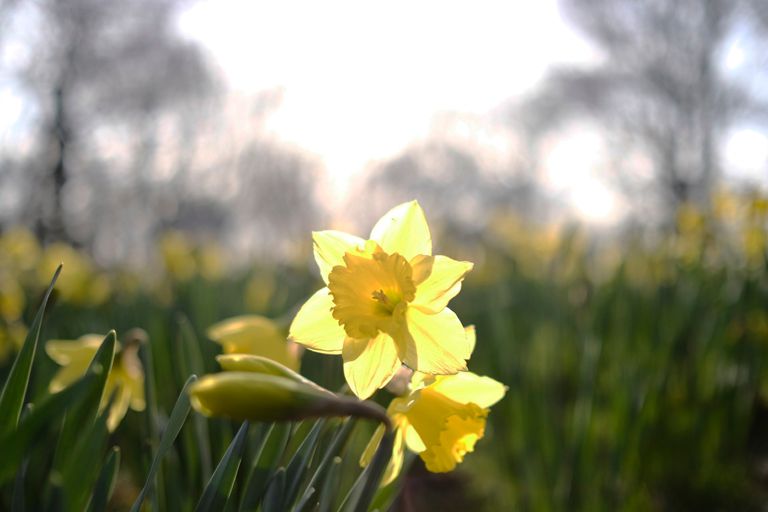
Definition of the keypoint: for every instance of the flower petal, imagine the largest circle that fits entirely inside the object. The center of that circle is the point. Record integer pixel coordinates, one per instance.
(413, 440)
(330, 247)
(404, 230)
(466, 387)
(315, 328)
(369, 364)
(437, 343)
(254, 334)
(442, 284)
(81, 349)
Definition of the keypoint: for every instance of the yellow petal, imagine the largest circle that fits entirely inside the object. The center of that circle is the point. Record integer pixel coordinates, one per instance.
(67, 375)
(370, 449)
(437, 343)
(466, 387)
(254, 334)
(330, 247)
(413, 440)
(315, 327)
(404, 230)
(369, 364)
(471, 337)
(118, 408)
(66, 351)
(442, 284)
(396, 461)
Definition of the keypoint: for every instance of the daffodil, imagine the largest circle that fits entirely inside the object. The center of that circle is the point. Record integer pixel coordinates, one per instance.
(125, 380)
(256, 335)
(441, 419)
(385, 302)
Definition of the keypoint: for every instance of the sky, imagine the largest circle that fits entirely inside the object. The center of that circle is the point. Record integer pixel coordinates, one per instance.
(361, 81)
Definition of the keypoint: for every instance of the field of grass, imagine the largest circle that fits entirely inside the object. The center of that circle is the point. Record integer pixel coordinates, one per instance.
(635, 367)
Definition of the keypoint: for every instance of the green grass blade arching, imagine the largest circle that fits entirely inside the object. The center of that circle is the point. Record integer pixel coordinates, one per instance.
(219, 487)
(175, 422)
(102, 491)
(15, 388)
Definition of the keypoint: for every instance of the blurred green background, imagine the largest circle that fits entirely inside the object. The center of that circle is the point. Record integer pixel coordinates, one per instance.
(635, 366)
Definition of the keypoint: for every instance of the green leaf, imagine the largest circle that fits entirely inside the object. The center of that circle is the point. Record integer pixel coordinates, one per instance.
(175, 422)
(18, 499)
(81, 468)
(297, 467)
(273, 498)
(216, 493)
(339, 440)
(15, 388)
(364, 489)
(269, 453)
(330, 486)
(80, 417)
(102, 491)
(17, 443)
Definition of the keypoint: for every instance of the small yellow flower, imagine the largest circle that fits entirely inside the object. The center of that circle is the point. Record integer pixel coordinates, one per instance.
(256, 335)
(385, 302)
(441, 419)
(126, 380)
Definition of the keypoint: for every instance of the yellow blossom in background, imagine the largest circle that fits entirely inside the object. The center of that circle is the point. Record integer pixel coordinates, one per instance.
(211, 261)
(125, 380)
(19, 250)
(256, 335)
(79, 283)
(441, 419)
(11, 339)
(385, 302)
(259, 291)
(177, 256)
(12, 298)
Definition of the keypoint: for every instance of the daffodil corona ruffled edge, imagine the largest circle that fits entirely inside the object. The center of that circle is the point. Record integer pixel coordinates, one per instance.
(441, 419)
(385, 302)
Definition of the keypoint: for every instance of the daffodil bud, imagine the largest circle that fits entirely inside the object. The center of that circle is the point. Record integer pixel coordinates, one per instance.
(259, 364)
(247, 395)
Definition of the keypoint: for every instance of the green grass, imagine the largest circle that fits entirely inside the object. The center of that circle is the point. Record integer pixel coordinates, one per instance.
(637, 386)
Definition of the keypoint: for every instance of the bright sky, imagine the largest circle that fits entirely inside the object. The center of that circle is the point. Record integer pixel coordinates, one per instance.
(359, 81)
(362, 80)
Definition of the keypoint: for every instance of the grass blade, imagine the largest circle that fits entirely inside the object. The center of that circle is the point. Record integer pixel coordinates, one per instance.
(175, 422)
(216, 493)
(267, 456)
(15, 388)
(33, 428)
(297, 467)
(106, 483)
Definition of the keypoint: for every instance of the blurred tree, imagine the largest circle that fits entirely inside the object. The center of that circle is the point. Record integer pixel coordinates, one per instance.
(98, 70)
(659, 91)
(457, 185)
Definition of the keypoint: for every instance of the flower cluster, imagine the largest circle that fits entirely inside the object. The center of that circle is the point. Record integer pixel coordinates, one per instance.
(385, 307)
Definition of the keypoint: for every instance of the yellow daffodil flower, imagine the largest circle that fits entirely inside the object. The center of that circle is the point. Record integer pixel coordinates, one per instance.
(441, 419)
(385, 302)
(256, 335)
(125, 381)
